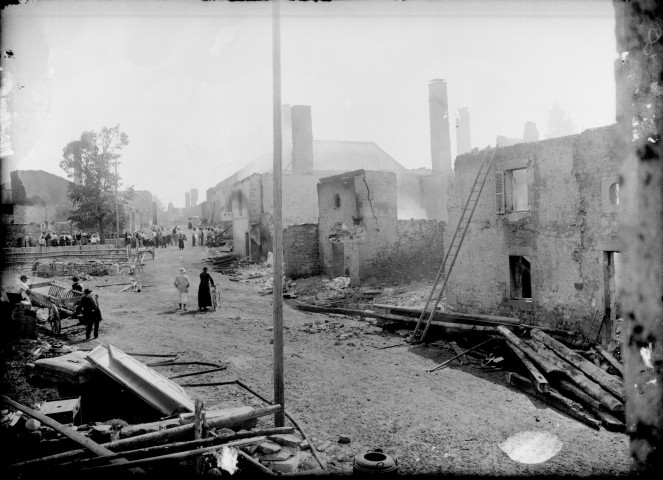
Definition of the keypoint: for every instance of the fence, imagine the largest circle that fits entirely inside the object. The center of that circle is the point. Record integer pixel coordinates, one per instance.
(30, 255)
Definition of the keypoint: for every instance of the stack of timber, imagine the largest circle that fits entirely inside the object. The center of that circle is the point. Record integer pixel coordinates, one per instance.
(566, 380)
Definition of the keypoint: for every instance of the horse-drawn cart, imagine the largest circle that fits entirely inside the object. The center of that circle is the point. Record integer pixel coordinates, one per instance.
(61, 302)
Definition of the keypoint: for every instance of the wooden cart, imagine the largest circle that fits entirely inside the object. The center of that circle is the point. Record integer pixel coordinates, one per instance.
(61, 302)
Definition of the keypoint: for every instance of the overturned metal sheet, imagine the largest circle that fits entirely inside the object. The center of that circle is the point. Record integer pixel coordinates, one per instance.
(163, 394)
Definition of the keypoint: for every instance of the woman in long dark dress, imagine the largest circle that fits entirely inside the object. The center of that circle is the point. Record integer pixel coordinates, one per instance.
(204, 291)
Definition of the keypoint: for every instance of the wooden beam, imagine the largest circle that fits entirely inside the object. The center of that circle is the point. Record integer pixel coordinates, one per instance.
(578, 393)
(611, 360)
(554, 399)
(576, 376)
(611, 383)
(547, 367)
(443, 364)
(540, 382)
(448, 316)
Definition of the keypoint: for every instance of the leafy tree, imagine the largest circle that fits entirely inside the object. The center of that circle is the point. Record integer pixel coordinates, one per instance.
(559, 123)
(92, 158)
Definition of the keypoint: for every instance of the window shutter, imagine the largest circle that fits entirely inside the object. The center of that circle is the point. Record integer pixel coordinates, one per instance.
(499, 192)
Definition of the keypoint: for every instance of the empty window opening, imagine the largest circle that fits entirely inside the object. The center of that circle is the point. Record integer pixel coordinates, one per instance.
(521, 277)
(337, 201)
(516, 192)
(241, 206)
(614, 193)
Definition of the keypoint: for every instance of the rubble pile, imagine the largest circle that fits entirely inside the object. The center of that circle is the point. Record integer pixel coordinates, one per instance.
(90, 268)
(218, 439)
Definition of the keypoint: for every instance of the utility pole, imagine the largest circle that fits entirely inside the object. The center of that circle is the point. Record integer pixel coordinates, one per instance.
(117, 210)
(279, 389)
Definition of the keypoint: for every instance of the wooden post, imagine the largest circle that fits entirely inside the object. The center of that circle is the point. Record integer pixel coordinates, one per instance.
(639, 30)
(198, 431)
(279, 389)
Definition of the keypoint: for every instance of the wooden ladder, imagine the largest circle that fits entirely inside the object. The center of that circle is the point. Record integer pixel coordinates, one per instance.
(452, 253)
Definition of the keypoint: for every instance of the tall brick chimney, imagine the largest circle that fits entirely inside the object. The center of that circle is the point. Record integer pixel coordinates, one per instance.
(463, 137)
(440, 141)
(302, 139)
(286, 136)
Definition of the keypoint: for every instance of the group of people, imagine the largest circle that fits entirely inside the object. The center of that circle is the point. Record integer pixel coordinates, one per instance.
(182, 283)
(52, 239)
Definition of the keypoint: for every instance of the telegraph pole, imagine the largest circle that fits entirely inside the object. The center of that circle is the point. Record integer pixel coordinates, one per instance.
(279, 390)
(117, 210)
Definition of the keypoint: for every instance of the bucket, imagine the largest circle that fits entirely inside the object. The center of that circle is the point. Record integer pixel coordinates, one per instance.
(374, 462)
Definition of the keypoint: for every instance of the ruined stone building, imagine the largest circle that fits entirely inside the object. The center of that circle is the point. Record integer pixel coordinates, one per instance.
(543, 243)
(360, 235)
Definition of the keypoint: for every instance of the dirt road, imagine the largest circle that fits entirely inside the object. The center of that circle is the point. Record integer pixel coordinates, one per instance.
(451, 421)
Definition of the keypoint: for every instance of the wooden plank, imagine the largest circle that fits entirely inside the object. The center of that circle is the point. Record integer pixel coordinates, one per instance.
(611, 360)
(611, 383)
(539, 381)
(94, 447)
(554, 399)
(609, 422)
(576, 376)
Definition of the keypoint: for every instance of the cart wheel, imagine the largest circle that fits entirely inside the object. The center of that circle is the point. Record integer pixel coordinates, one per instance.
(54, 319)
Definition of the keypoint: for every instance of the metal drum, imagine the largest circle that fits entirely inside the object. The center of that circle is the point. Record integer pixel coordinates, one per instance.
(374, 462)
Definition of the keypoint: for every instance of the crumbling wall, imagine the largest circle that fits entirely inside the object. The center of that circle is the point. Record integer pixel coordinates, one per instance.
(357, 221)
(301, 251)
(415, 254)
(246, 208)
(564, 233)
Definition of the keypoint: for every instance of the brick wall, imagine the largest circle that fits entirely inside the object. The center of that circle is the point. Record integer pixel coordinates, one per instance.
(300, 250)
(565, 232)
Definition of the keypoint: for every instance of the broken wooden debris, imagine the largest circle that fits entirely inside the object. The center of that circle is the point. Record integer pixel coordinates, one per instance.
(215, 439)
(554, 399)
(611, 360)
(173, 456)
(156, 437)
(255, 464)
(540, 382)
(608, 421)
(577, 393)
(443, 364)
(460, 355)
(607, 381)
(94, 447)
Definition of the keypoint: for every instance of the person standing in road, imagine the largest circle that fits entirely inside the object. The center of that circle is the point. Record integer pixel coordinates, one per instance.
(181, 241)
(89, 307)
(204, 291)
(182, 284)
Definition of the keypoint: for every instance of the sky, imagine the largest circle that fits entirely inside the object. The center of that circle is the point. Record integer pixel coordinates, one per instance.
(190, 82)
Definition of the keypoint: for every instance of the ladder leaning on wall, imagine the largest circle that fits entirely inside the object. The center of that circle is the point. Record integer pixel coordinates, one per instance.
(452, 253)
